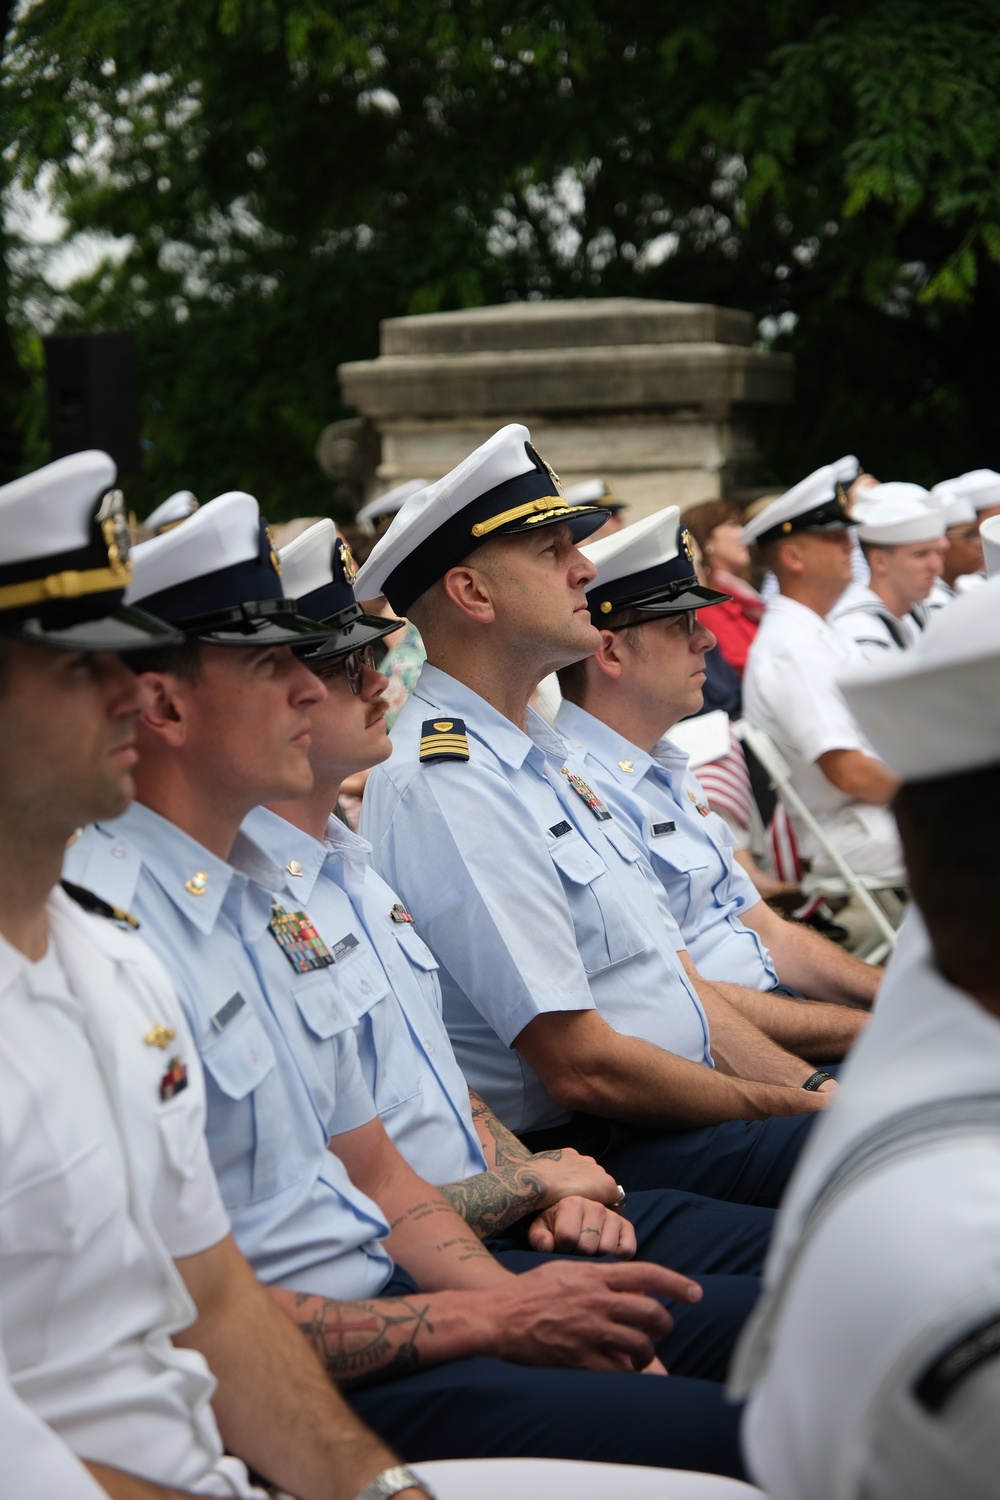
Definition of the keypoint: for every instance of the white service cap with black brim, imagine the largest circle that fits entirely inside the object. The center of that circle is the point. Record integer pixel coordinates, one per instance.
(65, 544)
(594, 492)
(934, 710)
(218, 580)
(649, 567)
(171, 512)
(501, 489)
(389, 503)
(816, 503)
(318, 571)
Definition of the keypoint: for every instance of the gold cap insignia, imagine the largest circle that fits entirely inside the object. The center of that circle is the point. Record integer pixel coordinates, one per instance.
(275, 560)
(198, 884)
(116, 529)
(159, 1036)
(349, 565)
(547, 467)
(686, 544)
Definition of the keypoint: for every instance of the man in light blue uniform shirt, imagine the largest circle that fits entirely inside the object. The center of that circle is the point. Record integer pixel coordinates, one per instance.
(406, 1054)
(618, 707)
(308, 1174)
(564, 993)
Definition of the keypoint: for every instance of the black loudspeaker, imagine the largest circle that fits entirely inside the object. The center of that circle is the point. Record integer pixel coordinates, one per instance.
(92, 380)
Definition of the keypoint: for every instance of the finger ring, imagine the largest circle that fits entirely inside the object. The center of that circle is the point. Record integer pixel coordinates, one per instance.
(590, 1231)
(622, 1197)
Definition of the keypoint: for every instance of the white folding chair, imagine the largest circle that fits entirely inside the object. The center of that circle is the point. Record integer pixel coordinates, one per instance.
(875, 893)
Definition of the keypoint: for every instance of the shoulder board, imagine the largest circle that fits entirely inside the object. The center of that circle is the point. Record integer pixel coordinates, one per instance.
(443, 739)
(96, 906)
(941, 1379)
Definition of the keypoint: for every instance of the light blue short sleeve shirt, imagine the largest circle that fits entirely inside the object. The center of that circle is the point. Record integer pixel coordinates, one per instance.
(281, 1076)
(531, 900)
(386, 979)
(662, 806)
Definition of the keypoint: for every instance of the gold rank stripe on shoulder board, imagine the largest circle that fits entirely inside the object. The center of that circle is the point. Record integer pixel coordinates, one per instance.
(443, 739)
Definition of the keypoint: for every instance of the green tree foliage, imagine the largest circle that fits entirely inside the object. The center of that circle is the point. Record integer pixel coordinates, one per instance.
(288, 172)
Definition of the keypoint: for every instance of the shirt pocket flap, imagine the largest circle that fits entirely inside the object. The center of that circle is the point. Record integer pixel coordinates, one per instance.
(330, 1003)
(240, 1057)
(675, 848)
(415, 948)
(575, 859)
(57, 1212)
(619, 840)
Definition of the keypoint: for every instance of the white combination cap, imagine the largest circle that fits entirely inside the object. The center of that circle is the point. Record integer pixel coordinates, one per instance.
(894, 513)
(935, 710)
(318, 572)
(389, 503)
(981, 486)
(217, 577)
(990, 533)
(171, 512)
(648, 566)
(816, 503)
(594, 492)
(65, 559)
(502, 488)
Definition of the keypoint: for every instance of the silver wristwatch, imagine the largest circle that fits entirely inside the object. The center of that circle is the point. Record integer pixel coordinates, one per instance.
(391, 1481)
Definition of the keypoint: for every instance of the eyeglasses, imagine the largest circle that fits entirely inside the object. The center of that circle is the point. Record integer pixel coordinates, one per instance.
(690, 617)
(355, 663)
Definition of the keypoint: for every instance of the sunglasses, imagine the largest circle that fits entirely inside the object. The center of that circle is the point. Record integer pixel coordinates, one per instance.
(355, 663)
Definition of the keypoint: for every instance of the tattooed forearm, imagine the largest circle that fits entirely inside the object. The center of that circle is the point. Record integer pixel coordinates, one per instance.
(499, 1143)
(422, 1213)
(362, 1342)
(492, 1201)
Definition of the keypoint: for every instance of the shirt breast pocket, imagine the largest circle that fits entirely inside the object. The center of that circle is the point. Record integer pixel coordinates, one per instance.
(606, 931)
(681, 864)
(47, 1227)
(239, 1063)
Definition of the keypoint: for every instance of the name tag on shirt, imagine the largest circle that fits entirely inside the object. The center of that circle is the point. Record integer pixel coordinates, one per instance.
(659, 829)
(228, 1012)
(346, 946)
(298, 940)
(560, 830)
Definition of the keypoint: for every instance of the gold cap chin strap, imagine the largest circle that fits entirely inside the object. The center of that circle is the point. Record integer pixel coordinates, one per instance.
(547, 506)
(69, 585)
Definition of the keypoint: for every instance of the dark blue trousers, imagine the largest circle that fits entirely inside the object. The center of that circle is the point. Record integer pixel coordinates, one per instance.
(485, 1408)
(742, 1161)
(480, 1408)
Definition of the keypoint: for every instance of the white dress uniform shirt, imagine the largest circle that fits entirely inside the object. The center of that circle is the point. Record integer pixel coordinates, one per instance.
(102, 1182)
(281, 1064)
(531, 901)
(37, 1463)
(387, 981)
(790, 691)
(660, 804)
(859, 615)
(873, 1387)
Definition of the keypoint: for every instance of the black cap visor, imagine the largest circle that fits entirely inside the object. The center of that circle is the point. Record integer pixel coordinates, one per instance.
(124, 629)
(350, 630)
(690, 596)
(582, 521)
(264, 622)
